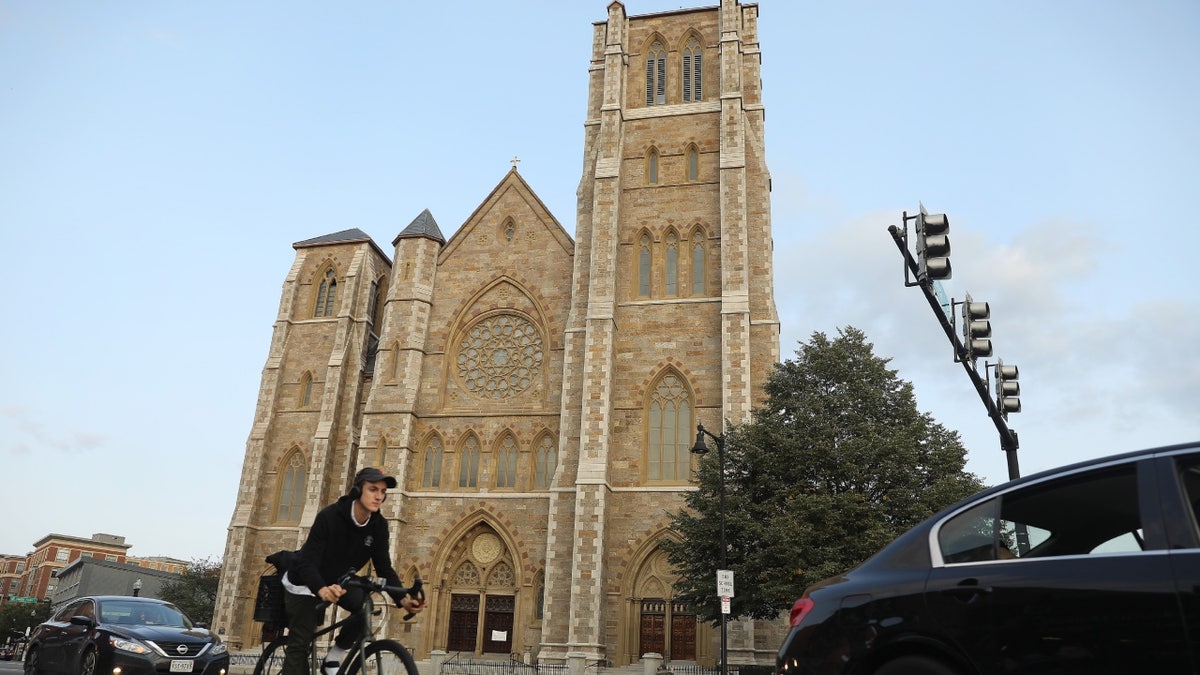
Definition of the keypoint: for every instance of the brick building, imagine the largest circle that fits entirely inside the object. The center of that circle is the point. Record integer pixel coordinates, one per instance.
(536, 394)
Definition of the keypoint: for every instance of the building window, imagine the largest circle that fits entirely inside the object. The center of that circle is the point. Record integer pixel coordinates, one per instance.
(545, 462)
(291, 489)
(670, 424)
(506, 462)
(306, 390)
(110, 558)
(326, 293)
(431, 477)
(378, 301)
(656, 75)
(672, 258)
(698, 258)
(62, 555)
(652, 167)
(693, 163)
(644, 267)
(500, 356)
(468, 464)
(692, 89)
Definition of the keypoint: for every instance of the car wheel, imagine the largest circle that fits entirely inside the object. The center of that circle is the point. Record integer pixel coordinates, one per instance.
(87, 664)
(915, 665)
(31, 663)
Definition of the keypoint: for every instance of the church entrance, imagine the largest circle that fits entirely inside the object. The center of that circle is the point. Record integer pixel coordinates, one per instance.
(668, 628)
(483, 594)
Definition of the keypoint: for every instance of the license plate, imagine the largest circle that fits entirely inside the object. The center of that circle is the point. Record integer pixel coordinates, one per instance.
(181, 666)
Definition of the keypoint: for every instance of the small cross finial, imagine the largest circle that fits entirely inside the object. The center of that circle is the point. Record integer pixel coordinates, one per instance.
(514, 161)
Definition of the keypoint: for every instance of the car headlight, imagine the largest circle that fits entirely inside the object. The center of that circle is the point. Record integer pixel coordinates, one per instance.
(126, 645)
(219, 648)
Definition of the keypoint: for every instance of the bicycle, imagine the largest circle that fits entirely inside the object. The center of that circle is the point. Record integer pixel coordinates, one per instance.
(373, 657)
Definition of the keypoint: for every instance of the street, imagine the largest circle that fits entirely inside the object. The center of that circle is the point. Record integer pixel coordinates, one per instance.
(7, 667)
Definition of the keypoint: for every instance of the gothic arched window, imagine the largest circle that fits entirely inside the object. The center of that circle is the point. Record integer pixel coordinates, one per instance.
(698, 258)
(545, 462)
(291, 488)
(431, 476)
(692, 70)
(326, 293)
(506, 462)
(468, 464)
(643, 270)
(669, 412)
(672, 259)
(656, 75)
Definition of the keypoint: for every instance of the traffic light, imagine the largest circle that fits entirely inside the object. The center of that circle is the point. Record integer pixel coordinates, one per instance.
(1008, 390)
(933, 246)
(976, 329)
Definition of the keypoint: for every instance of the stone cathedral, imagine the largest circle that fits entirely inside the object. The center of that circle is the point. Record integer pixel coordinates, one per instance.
(537, 395)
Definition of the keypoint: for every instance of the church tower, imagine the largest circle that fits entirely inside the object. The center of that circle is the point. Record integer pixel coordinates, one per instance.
(537, 396)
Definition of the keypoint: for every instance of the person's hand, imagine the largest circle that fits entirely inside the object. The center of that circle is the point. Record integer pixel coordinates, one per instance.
(331, 593)
(412, 605)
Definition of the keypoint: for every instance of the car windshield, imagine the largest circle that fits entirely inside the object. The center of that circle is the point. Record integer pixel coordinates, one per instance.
(142, 614)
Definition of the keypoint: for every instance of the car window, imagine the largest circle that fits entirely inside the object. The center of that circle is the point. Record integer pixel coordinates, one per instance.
(1089, 513)
(1189, 470)
(86, 608)
(64, 615)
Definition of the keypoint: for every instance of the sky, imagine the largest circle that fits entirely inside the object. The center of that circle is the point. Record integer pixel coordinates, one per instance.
(159, 159)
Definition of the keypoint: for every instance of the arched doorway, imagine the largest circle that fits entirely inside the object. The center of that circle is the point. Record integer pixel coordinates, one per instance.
(664, 625)
(482, 587)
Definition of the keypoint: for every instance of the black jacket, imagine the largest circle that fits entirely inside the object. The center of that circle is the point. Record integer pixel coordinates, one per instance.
(336, 545)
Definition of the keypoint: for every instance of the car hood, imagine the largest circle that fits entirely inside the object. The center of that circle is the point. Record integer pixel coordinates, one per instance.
(161, 633)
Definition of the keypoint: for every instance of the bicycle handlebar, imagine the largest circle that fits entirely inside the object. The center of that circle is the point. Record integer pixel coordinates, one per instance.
(351, 580)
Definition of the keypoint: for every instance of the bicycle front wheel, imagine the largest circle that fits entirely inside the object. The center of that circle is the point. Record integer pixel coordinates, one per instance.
(383, 657)
(271, 661)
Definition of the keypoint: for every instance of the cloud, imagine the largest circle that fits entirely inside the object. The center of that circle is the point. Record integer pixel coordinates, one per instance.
(31, 436)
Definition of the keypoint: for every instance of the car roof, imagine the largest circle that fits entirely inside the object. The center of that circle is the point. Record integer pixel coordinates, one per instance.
(912, 547)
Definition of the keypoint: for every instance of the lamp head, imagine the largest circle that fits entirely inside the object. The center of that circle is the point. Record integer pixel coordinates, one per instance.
(700, 448)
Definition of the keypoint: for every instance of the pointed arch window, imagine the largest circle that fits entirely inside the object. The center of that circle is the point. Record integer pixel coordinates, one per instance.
(698, 258)
(670, 423)
(656, 75)
(375, 311)
(326, 293)
(468, 464)
(545, 462)
(506, 462)
(644, 267)
(291, 489)
(693, 163)
(652, 167)
(692, 71)
(306, 390)
(672, 258)
(431, 476)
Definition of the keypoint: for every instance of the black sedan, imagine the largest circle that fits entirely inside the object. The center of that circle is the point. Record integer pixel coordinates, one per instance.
(122, 635)
(1091, 568)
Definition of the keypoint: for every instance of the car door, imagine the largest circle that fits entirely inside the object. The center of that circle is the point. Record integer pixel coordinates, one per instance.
(1061, 576)
(53, 635)
(75, 637)
(1179, 481)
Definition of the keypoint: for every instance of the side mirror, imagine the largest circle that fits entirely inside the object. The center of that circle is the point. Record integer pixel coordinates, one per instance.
(81, 621)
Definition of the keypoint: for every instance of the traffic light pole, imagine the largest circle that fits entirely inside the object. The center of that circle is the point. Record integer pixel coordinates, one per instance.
(1008, 439)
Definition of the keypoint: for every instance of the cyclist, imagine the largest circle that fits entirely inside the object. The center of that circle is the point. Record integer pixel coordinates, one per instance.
(344, 536)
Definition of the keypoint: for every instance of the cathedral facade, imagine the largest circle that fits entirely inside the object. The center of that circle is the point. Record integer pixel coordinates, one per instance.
(537, 395)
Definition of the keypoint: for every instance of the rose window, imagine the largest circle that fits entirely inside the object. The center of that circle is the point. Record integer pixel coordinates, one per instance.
(500, 356)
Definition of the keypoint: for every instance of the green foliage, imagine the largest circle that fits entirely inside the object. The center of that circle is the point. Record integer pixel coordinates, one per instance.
(195, 591)
(836, 463)
(14, 618)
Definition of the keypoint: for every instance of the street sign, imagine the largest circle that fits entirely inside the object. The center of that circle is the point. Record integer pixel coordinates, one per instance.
(725, 583)
(18, 598)
(724, 605)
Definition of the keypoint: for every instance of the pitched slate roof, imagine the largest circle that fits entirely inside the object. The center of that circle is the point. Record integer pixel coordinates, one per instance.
(344, 237)
(422, 226)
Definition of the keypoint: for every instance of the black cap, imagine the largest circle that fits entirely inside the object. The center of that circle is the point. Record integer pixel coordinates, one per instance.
(371, 474)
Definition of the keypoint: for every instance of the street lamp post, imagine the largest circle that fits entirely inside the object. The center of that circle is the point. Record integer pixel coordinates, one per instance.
(700, 448)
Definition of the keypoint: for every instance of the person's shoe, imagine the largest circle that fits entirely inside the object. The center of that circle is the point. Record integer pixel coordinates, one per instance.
(330, 667)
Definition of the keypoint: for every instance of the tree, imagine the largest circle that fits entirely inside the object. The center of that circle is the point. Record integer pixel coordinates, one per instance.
(15, 618)
(195, 591)
(836, 463)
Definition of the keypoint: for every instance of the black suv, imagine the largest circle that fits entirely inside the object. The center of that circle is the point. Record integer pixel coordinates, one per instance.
(1091, 568)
